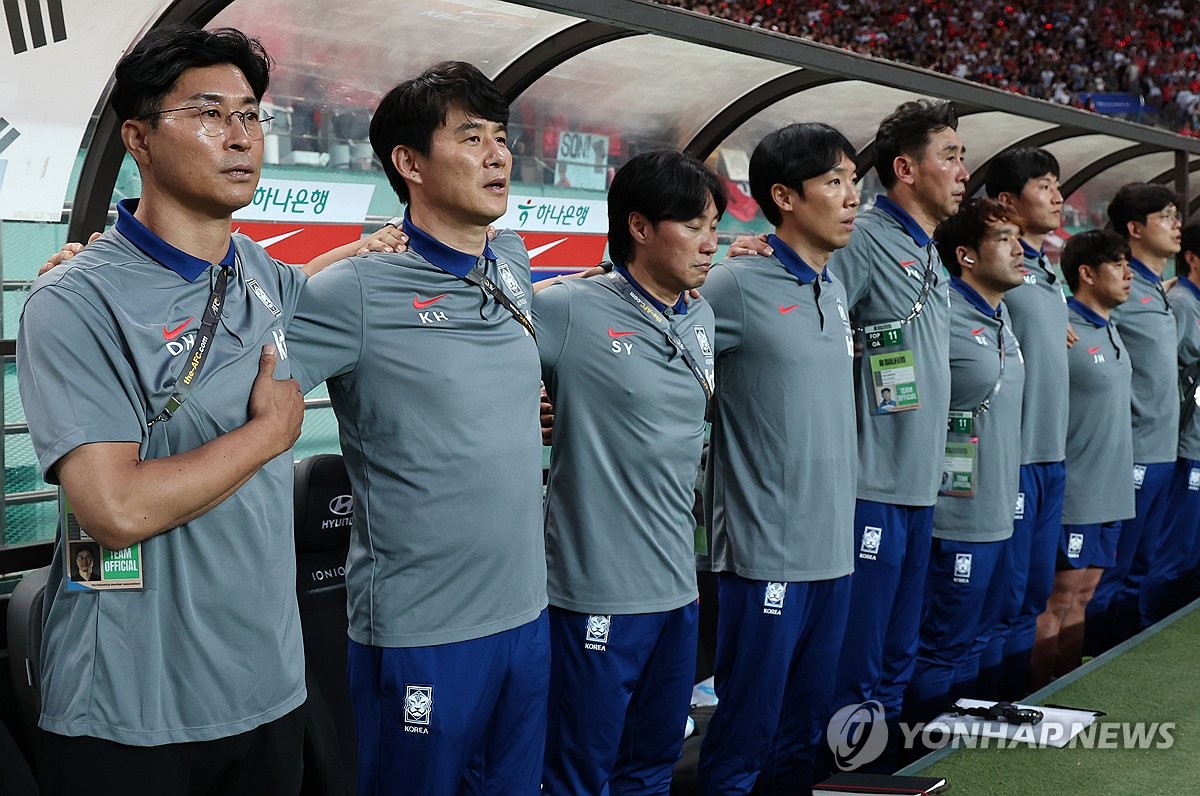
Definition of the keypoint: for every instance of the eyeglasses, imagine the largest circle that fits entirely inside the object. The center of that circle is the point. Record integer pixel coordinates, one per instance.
(1170, 216)
(215, 121)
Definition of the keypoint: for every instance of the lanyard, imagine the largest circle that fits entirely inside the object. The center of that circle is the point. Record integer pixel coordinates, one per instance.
(986, 403)
(477, 277)
(208, 330)
(627, 292)
(928, 279)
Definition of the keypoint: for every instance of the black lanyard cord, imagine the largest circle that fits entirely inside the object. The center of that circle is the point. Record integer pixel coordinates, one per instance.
(477, 277)
(986, 403)
(627, 292)
(208, 331)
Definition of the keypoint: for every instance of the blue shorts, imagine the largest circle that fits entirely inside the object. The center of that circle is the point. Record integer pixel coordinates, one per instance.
(1082, 546)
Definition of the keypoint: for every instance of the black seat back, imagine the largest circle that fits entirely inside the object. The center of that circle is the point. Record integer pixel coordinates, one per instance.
(25, 608)
(324, 514)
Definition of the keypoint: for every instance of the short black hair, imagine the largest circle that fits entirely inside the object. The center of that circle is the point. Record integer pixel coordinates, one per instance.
(148, 72)
(663, 185)
(1189, 242)
(967, 227)
(410, 112)
(907, 130)
(1136, 201)
(1092, 248)
(791, 155)
(1012, 169)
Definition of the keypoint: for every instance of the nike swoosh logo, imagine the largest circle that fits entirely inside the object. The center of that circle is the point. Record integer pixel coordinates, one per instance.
(1147, 299)
(171, 334)
(266, 243)
(614, 333)
(786, 310)
(1094, 349)
(547, 247)
(420, 304)
(907, 263)
(977, 331)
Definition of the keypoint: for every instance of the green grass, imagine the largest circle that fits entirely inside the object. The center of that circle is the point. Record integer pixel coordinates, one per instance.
(1151, 682)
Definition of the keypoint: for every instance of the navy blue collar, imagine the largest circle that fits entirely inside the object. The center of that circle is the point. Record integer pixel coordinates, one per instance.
(452, 261)
(1030, 252)
(157, 249)
(680, 307)
(914, 230)
(1140, 267)
(794, 263)
(1190, 285)
(1089, 314)
(972, 295)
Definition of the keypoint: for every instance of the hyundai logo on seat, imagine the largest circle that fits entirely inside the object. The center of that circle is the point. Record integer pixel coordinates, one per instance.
(342, 505)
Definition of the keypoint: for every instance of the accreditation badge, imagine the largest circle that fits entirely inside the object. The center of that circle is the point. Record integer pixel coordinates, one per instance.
(89, 565)
(893, 369)
(960, 468)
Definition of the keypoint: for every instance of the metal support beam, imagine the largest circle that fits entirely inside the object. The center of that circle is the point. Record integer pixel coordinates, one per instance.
(1102, 164)
(1037, 140)
(524, 71)
(745, 107)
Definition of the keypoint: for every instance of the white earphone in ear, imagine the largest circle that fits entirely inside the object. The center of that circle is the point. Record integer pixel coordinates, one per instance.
(967, 259)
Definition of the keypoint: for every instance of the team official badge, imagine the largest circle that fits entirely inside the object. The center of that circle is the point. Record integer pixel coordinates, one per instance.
(702, 341)
(962, 567)
(1139, 475)
(418, 706)
(871, 538)
(1074, 545)
(1194, 479)
(1019, 512)
(773, 598)
(598, 628)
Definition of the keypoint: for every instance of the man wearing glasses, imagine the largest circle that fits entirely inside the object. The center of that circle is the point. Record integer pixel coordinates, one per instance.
(147, 371)
(1147, 216)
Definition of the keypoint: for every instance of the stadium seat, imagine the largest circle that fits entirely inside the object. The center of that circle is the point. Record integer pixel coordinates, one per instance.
(324, 513)
(24, 648)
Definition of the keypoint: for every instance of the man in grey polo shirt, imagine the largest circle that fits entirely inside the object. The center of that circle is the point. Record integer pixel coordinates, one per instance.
(1176, 584)
(148, 400)
(1147, 216)
(627, 360)
(779, 493)
(1099, 493)
(972, 522)
(1025, 180)
(898, 295)
(433, 374)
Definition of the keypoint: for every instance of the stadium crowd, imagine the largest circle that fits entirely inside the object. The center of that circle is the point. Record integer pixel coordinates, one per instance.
(1058, 50)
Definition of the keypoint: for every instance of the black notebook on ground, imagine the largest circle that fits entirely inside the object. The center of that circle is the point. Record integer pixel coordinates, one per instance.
(851, 783)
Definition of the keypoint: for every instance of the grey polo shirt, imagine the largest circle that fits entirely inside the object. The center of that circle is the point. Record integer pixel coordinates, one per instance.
(779, 492)
(885, 268)
(211, 646)
(628, 432)
(1038, 312)
(975, 329)
(1184, 296)
(1099, 446)
(435, 387)
(1148, 327)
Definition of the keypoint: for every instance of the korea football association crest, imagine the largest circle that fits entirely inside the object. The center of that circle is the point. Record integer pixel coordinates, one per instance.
(1139, 475)
(702, 341)
(1194, 479)
(773, 598)
(1019, 512)
(871, 539)
(418, 708)
(962, 567)
(1074, 545)
(510, 282)
(599, 626)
